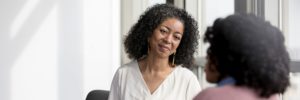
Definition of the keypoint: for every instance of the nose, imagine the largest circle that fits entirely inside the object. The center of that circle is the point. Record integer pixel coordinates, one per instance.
(168, 39)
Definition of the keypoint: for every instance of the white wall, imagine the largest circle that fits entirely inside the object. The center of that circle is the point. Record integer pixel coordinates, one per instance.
(57, 49)
(293, 34)
(293, 44)
(272, 12)
(210, 11)
(216, 9)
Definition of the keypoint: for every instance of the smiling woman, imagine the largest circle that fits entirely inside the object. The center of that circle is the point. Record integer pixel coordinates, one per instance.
(161, 45)
(166, 38)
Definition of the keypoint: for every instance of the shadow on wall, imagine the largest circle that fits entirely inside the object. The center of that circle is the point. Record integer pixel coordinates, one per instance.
(69, 57)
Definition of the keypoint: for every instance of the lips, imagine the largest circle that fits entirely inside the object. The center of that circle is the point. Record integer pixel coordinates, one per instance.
(164, 48)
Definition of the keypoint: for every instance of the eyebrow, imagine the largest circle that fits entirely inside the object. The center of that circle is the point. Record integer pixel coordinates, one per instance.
(176, 32)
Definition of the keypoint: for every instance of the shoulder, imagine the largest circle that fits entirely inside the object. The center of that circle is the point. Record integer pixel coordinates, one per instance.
(126, 69)
(184, 72)
(205, 94)
(228, 92)
(185, 75)
(128, 66)
(211, 93)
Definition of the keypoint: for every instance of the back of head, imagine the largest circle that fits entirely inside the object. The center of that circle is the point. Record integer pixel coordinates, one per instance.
(250, 50)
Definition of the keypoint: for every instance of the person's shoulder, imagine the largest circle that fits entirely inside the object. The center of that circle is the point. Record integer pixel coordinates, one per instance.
(207, 94)
(228, 92)
(128, 66)
(184, 72)
(228, 89)
(213, 93)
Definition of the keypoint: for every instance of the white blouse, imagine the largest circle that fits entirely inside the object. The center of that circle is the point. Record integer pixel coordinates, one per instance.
(128, 84)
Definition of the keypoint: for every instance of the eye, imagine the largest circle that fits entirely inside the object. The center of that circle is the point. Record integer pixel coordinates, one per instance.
(163, 31)
(177, 37)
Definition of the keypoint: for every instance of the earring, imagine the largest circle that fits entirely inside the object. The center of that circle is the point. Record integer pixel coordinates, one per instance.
(173, 62)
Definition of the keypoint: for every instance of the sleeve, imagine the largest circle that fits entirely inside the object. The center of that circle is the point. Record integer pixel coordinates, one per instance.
(201, 96)
(193, 88)
(114, 93)
(206, 94)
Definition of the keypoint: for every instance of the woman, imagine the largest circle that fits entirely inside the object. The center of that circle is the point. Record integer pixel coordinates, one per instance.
(161, 44)
(246, 58)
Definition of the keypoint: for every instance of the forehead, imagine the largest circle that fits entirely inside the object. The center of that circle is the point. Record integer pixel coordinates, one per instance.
(173, 23)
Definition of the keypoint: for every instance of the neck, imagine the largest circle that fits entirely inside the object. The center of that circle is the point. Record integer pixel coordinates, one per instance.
(156, 64)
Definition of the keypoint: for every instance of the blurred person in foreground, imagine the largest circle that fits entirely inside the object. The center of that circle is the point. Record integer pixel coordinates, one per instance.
(247, 59)
(161, 45)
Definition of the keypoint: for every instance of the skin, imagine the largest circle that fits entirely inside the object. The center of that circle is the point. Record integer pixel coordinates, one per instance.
(211, 72)
(155, 67)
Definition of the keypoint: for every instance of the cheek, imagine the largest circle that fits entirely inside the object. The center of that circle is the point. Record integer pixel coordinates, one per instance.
(211, 74)
(176, 45)
(211, 77)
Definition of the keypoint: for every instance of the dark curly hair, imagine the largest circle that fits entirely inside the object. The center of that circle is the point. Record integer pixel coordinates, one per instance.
(136, 44)
(250, 50)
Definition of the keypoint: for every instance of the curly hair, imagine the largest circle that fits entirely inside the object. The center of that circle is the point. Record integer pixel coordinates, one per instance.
(250, 50)
(136, 45)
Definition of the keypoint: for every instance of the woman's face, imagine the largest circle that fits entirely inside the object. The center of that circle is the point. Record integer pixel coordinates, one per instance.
(212, 75)
(166, 37)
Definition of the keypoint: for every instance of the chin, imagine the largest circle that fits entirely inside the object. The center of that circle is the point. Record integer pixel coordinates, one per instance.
(164, 54)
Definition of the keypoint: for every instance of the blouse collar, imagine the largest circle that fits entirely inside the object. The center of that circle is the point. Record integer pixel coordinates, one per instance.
(226, 81)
